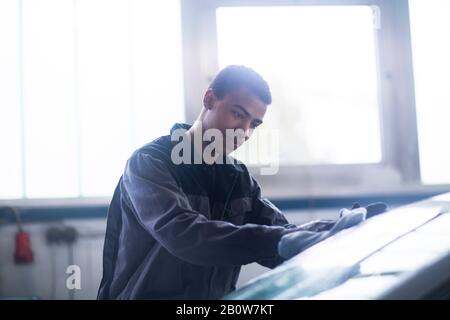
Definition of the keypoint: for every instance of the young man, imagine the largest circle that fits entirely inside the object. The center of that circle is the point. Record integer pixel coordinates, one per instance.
(183, 230)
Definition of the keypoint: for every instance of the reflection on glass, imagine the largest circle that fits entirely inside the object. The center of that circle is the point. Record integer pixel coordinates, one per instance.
(359, 288)
(361, 263)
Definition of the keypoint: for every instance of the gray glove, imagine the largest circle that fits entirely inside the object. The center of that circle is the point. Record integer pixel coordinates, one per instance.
(308, 234)
(326, 224)
(297, 241)
(316, 225)
(372, 209)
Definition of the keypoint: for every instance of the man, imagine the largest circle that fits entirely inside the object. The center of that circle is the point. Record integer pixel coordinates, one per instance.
(183, 230)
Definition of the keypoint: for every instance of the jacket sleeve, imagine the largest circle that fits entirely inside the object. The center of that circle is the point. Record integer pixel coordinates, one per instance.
(266, 213)
(163, 210)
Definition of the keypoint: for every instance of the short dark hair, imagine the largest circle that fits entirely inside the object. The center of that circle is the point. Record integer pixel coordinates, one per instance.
(234, 77)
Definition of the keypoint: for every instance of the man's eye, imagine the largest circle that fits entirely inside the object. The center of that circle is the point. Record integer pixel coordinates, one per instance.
(238, 115)
(255, 125)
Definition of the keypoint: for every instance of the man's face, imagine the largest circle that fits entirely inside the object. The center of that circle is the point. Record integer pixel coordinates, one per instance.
(239, 109)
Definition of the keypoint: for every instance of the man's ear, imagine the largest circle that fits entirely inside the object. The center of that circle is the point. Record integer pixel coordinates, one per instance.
(208, 99)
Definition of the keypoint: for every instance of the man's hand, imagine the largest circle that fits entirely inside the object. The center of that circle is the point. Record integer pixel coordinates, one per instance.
(313, 232)
(372, 209)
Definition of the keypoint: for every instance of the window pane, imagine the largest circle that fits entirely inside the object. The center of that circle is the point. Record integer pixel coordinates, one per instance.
(48, 95)
(156, 68)
(320, 63)
(127, 67)
(104, 92)
(430, 31)
(100, 78)
(10, 135)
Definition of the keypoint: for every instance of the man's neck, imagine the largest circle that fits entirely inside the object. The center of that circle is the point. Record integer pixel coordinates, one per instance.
(195, 134)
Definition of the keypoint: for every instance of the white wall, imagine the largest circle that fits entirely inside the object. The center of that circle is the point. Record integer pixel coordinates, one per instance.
(46, 277)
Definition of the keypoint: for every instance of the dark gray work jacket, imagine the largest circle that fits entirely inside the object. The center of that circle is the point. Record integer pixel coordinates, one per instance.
(183, 231)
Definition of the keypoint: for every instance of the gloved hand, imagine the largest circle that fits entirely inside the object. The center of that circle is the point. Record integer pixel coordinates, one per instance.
(297, 241)
(375, 208)
(316, 225)
(372, 209)
(308, 234)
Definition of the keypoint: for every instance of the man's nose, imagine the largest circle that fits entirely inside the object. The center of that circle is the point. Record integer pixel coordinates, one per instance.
(248, 133)
(246, 127)
(245, 130)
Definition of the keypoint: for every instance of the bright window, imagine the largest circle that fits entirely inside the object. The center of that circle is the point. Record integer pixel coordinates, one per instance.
(430, 26)
(321, 65)
(82, 84)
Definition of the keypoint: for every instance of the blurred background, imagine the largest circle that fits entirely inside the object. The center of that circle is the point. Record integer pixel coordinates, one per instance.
(361, 105)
